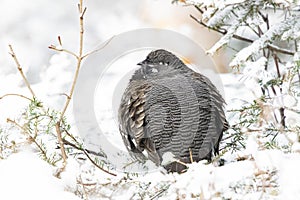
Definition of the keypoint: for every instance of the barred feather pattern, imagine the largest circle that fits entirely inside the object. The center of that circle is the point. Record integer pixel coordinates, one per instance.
(171, 109)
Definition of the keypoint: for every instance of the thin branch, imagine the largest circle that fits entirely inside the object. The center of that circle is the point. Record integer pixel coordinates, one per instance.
(100, 48)
(80, 148)
(209, 27)
(223, 32)
(79, 58)
(18, 95)
(159, 193)
(199, 9)
(86, 153)
(280, 50)
(276, 61)
(265, 18)
(12, 53)
(66, 142)
(94, 163)
(61, 144)
(55, 48)
(8, 120)
(191, 155)
(64, 94)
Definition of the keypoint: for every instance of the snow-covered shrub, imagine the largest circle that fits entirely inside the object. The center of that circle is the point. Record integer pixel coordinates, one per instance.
(265, 35)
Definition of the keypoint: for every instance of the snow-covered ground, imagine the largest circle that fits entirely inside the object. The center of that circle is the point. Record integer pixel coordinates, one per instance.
(30, 27)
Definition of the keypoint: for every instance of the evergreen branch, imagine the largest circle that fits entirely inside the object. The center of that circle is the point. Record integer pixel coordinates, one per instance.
(31, 139)
(280, 50)
(223, 32)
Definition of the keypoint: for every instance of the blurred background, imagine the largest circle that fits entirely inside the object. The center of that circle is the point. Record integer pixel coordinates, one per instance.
(31, 26)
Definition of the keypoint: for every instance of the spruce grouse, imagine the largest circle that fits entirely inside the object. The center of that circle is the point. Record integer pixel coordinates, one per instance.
(169, 110)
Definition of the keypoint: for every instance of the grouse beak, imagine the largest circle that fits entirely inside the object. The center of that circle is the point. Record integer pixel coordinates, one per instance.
(142, 63)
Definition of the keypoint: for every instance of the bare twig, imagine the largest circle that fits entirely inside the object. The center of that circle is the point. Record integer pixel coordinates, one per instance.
(8, 120)
(80, 148)
(69, 96)
(100, 48)
(191, 155)
(12, 53)
(61, 145)
(94, 163)
(86, 152)
(159, 192)
(55, 48)
(18, 95)
(79, 58)
(199, 9)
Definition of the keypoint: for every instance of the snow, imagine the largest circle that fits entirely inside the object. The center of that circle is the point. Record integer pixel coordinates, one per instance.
(259, 173)
(277, 29)
(225, 39)
(25, 176)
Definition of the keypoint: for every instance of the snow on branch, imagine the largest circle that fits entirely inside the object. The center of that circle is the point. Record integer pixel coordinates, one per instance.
(225, 39)
(265, 40)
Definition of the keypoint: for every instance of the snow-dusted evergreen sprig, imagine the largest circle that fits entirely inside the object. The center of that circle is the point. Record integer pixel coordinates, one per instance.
(265, 60)
(266, 40)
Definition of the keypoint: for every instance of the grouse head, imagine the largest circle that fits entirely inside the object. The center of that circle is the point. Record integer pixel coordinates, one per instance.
(160, 62)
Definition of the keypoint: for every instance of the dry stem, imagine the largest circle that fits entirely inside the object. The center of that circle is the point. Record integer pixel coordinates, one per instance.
(79, 58)
(31, 139)
(12, 53)
(13, 94)
(61, 145)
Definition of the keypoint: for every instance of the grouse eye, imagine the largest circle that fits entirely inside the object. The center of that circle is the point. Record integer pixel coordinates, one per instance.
(167, 63)
(154, 70)
(161, 63)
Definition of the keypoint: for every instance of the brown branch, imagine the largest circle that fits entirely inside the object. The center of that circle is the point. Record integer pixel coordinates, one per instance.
(55, 48)
(85, 151)
(80, 148)
(12, 53)
(280, 50)
(8, 120)
(79, 58)
(94, 163)
(61, 145)
(18, 95)
(199, 9)
(100, 48)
